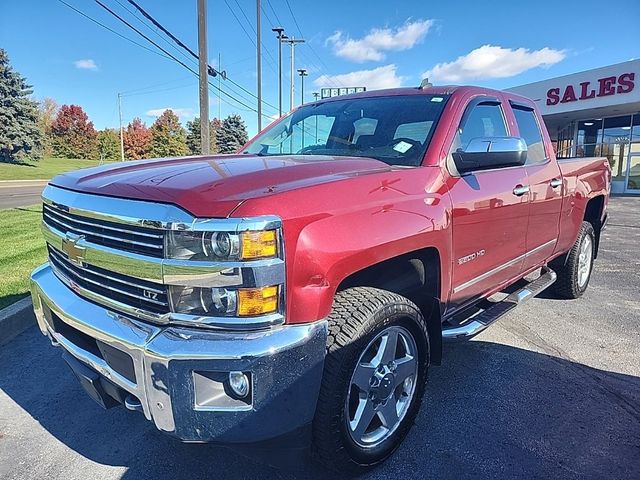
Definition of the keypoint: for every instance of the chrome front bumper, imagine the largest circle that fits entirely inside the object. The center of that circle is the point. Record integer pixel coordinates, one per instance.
(171, 366)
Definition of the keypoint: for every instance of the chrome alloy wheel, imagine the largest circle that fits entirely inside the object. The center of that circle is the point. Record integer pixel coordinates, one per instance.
(382, 387)
(585, 260)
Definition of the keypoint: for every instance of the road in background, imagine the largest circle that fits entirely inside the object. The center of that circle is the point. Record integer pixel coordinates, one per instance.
(551, 391)
(20, 193)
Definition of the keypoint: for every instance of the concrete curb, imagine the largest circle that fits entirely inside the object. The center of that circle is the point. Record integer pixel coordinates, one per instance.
(15, 319)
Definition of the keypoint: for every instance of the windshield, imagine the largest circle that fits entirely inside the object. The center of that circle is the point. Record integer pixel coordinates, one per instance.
(395, 129)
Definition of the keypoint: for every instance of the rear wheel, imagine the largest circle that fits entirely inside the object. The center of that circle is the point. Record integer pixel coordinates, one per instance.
(574, 269)
(374, 378)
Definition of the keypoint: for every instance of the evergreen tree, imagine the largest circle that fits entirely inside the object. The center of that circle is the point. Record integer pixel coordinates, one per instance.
(109, 144)
(19, 133)
(73, 135)
(47, 111)
(193, 135)
(232, 134)
(137, 140)
(168, 138)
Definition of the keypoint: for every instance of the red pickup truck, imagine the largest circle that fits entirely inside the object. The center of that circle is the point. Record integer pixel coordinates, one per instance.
(301, 288)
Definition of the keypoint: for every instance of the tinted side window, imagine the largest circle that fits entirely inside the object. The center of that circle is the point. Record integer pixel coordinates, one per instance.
(485, 120)
(530, 133)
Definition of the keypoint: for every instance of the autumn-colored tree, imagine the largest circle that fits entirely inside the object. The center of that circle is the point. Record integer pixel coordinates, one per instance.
(19, 133)
(73, 135)
(47, 111)
(193, 135)
(232, 134)
(168, 138)
(137, 140)
(109, 144)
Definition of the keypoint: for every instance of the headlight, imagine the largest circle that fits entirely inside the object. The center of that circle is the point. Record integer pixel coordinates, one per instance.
(222, 302)
(221, 246)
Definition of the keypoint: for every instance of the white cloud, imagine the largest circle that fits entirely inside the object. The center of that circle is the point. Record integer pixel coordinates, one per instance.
(491, 61)
(379, 40)
(180, 112)
(375, 79)
(86, 64)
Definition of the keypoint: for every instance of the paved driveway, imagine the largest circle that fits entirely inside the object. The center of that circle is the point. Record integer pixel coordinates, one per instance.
(553, 391)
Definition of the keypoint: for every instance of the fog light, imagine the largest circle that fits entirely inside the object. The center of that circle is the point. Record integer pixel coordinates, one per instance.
(239, 383)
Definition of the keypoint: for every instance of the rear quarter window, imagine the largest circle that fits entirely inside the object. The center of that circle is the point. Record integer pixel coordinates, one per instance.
(531, 134)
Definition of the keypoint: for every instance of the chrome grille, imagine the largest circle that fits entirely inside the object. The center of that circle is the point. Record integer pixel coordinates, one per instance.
(130, 291)
(145, 241)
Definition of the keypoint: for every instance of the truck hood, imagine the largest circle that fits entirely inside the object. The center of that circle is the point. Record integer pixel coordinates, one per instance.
(214, 186)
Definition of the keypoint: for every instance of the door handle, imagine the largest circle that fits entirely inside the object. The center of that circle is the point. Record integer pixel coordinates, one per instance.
(521, 190)
(555, 183)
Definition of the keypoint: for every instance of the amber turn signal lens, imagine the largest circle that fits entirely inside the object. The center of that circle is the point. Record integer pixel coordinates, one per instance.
(262, 244)
(257, 301)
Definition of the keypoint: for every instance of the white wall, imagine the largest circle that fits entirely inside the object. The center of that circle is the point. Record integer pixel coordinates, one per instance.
(562, 94)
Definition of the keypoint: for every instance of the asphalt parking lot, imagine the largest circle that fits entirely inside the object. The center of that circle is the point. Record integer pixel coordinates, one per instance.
(552, 391)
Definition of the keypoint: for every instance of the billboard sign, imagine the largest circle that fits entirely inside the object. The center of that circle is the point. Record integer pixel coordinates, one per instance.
(336, 92)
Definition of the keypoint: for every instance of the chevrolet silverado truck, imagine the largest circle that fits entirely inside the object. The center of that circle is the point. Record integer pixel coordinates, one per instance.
(302, 287)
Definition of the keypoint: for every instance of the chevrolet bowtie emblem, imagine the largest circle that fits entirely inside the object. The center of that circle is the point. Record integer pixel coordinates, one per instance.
(75, 252)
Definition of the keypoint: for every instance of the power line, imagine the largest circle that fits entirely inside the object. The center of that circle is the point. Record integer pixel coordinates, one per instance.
(167, 53)
(313, 50)
(149, 17)
(111, 30)
(275, 13)
(149, 27)
(166, 32)
(249, 36)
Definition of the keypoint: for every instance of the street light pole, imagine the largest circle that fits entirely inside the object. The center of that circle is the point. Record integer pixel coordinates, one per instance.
(203, 74)
(303, 73)
(121, 128)
(259, 52)
(292, 42)
(281, 37)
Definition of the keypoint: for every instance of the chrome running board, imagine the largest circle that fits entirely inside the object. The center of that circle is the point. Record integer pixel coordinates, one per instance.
(485, 318)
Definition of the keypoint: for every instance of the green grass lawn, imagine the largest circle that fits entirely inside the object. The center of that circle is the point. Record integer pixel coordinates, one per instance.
(42, 170)
(22, 248)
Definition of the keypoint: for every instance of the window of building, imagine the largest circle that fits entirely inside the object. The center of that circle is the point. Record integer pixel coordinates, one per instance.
(616, 136)
(531, 134)
(589, 138)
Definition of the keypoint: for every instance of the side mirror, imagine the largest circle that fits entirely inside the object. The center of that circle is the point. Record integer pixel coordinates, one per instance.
(485, 153)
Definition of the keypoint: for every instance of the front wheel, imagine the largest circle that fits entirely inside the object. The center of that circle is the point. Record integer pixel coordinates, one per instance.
(374, 378)
(574, 269)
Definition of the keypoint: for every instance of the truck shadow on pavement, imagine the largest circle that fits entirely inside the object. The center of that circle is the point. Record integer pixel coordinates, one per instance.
(491, 411)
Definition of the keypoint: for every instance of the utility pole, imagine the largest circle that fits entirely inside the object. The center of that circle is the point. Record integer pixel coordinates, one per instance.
(203, 76)
(315, 98)
(292, 42)
(219, 87)
(281, 37)
(259, 53)
(303, 73)
(121, 129)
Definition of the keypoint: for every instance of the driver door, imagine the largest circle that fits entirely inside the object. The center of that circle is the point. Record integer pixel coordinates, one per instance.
(490, 210)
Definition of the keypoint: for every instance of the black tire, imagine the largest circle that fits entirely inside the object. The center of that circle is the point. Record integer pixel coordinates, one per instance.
(566, 266)
(358, 315)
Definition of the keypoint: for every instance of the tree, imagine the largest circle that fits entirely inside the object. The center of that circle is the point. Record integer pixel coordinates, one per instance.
(193, 135)
(19, 133)
(168, 138)
(109, 144)
(137, 140)
(47, 111)
(73, 135)
(232, 134)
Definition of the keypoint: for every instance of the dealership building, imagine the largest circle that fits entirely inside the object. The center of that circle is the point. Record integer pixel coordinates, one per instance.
(595, 113)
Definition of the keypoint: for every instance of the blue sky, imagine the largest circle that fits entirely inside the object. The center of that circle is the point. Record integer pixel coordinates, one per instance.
(373, 43)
